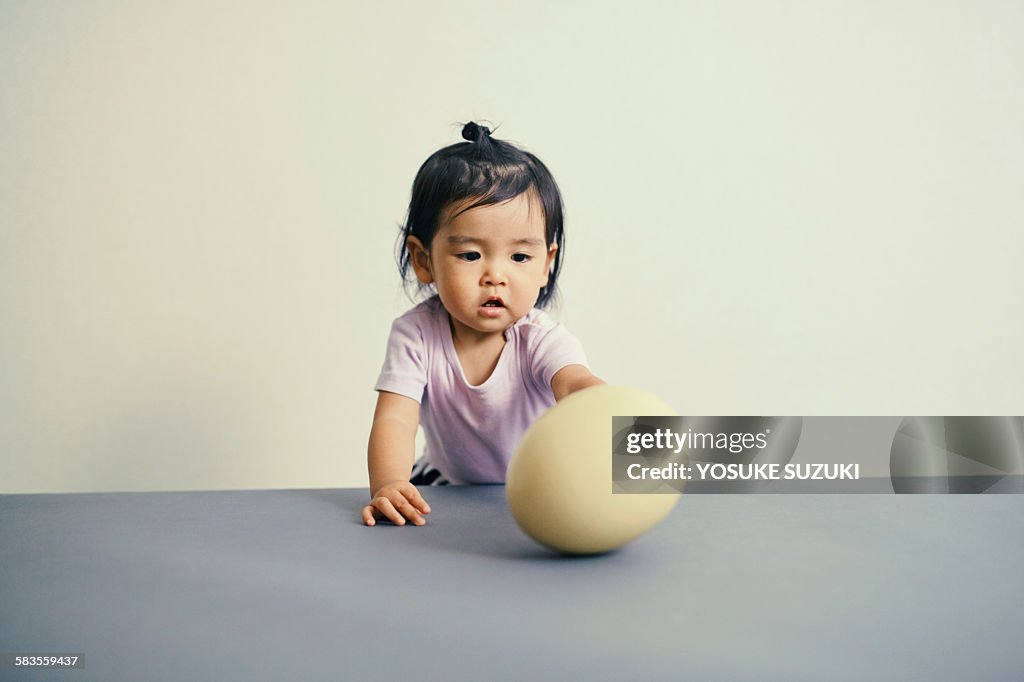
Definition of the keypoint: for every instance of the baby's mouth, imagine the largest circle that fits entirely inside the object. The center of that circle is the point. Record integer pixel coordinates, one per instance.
(493, 303)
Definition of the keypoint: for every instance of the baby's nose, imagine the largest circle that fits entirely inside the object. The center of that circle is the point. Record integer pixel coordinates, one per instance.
(494, 276)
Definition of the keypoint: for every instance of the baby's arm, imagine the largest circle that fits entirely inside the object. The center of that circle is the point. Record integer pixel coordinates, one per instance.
(390, 457)
(572, 378)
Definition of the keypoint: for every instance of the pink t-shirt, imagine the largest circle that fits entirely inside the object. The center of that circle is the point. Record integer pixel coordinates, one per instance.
(471, 431)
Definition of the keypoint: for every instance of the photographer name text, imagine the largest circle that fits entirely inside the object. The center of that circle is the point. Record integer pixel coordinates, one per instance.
(703, 471)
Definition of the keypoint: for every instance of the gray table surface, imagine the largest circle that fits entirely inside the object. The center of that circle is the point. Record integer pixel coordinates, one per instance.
(287, 584)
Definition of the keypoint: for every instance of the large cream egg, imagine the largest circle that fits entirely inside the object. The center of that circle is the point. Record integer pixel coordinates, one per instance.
(559, 481)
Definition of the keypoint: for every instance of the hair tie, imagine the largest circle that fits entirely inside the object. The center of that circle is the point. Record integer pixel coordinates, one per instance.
(475, 133)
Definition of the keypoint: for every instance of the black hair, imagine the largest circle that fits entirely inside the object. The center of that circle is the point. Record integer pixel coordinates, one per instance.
(488, 171)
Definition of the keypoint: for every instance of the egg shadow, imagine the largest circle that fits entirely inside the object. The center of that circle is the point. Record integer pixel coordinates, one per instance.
(471, 520)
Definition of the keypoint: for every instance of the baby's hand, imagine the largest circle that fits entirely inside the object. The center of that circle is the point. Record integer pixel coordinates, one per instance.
(396, 501)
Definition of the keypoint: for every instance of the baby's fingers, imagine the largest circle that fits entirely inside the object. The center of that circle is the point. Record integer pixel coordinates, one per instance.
(395, 510)
(417, 500)
(408, 510)
(385, 508)
(369, 515)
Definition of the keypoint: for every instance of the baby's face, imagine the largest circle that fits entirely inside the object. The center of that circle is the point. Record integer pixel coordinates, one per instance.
(489, 263)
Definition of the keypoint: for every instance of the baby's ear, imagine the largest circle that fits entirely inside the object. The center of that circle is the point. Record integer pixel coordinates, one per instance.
(420, 259)
(552, 250)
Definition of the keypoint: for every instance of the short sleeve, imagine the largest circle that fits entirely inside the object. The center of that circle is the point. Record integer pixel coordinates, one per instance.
(405, 365)
(552, 348)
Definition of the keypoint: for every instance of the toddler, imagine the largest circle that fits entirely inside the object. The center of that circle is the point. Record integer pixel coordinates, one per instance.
(477, 362)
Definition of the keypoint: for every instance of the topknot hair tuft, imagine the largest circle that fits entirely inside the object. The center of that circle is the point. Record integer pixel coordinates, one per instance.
(475, 133)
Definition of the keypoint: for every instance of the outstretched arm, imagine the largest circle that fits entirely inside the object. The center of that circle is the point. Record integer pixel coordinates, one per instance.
(572, 378)
(390, 457)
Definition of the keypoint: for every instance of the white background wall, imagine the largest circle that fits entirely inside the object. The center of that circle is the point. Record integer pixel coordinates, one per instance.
(803, 208)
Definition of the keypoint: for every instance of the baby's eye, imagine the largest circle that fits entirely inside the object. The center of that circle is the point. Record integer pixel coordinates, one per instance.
(468, 256)
(521, 257)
